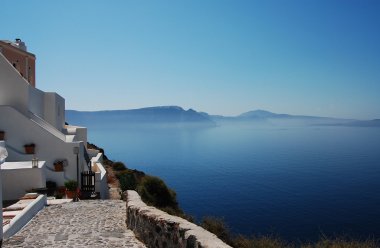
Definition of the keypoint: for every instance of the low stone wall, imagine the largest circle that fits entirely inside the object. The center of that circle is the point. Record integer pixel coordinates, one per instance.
(159, 229)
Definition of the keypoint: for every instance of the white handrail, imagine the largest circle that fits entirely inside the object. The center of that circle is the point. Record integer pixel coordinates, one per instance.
(41, 122)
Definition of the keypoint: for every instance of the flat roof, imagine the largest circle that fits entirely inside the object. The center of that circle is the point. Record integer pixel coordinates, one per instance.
(21, 165)
(9, 44)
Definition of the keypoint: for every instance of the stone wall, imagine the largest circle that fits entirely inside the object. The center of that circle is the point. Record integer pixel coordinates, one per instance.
(159, 229)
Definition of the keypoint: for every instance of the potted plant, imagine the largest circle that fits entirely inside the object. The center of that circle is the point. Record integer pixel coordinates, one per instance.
(29, 148)
(71, 188)
(2, 135)
(58, 165)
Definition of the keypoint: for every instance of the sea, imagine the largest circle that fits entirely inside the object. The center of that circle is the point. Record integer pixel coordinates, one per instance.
(298, 183)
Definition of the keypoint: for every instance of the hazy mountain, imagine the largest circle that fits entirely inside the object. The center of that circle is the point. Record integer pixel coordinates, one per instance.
(267, 118)
(261, 114)
(174, 115)
(152, 115)
(370, 123)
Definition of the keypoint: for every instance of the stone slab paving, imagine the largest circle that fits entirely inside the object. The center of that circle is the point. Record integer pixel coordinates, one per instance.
(95, 223)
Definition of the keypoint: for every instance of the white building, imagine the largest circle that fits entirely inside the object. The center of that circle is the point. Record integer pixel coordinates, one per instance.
(3, 156)
(31, 116)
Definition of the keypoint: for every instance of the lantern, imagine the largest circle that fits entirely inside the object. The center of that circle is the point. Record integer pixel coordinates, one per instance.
(34, 162)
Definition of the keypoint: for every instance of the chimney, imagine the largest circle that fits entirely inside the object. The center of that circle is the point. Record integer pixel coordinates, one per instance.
(20, 44)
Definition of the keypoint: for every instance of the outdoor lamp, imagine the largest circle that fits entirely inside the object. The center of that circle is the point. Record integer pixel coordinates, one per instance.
(76, 152)
(34, 162)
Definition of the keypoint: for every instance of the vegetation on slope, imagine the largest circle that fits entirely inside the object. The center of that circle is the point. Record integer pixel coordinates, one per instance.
(220, 229)
(153, 190)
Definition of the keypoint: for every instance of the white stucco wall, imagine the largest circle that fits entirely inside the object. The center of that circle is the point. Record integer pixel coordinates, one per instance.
(81, 134)
(21, 130)
(2, 160)
(54, 109)
(18, 177)
(14, 90)
(29, 115)
(36, 101)
(101, 185)
(93, 153)
(18, 155)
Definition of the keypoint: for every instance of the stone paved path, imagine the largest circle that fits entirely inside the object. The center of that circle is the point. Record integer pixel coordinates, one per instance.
(77, 224)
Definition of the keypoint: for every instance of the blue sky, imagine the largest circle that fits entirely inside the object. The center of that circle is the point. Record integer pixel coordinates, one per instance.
(222, 56)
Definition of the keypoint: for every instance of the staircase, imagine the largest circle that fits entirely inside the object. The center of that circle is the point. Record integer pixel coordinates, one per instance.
(47, 126)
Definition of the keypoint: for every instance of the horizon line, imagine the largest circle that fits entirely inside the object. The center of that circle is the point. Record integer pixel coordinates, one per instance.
(176, 106)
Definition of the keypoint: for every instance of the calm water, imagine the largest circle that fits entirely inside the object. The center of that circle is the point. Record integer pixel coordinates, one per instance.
(297, 182)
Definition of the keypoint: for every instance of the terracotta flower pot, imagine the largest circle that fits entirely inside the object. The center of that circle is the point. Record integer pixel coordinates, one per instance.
(58, 166)
(70, 194)
(29, 149)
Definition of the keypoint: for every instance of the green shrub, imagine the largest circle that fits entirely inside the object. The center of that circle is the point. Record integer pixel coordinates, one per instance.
(155, 192)
(258, 242)
(343, 243)
(71, 185)
(217, 227)
(127, 180)
(274, 242)
(119, 166)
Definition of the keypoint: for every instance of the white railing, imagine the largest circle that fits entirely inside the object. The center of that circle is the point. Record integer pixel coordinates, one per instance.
(22, 218)
(101, 185)
(47, 126)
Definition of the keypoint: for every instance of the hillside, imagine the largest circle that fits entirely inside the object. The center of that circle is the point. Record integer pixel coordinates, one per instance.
(177, 116)
(370, 123)
(166, 115)
(269, 118)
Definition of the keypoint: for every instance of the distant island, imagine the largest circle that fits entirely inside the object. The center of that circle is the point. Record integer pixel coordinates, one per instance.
(164, 116)
(177, 116)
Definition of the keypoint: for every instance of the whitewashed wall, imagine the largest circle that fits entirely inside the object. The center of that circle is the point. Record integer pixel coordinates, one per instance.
(81, 134)
(54, 109)
(21, 130)
(36, 101)
(18, 177)
(101, 185)
(1, 194)
(14, 90)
